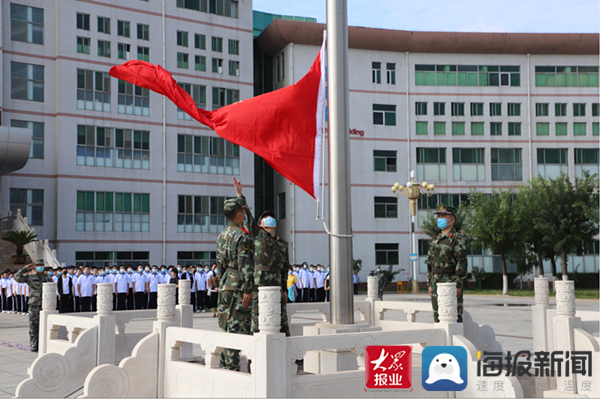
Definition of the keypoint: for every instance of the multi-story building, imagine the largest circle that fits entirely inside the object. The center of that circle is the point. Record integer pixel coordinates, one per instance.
(463, 110)
(117, 174)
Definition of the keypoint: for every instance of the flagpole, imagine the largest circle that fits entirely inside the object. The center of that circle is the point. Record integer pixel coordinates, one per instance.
(340, 210)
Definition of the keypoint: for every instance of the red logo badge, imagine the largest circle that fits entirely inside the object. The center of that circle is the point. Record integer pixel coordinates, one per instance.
(388, 367)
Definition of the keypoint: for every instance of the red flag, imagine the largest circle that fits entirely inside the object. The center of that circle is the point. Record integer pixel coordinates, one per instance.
(283, 127)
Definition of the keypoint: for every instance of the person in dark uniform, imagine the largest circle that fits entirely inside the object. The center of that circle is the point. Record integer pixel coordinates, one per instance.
(65, 293)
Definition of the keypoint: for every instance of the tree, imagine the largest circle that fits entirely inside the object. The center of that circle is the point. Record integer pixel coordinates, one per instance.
(479, 275)
(493, 222)
(569, 215)
(429, 225)
(356, 265)
(389, 274)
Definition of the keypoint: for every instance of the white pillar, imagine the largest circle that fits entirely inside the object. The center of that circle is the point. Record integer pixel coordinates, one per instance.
(538, 314)
(185, 313)
(448, 309)
(106, 322)
(268, 365)
(48, 308)
(165, 314)
(372, 283)
(564, 322)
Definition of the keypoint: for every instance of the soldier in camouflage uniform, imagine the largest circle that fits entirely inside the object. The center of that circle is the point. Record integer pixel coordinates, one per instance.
(235, 253)
(35, 282)
(447, 259)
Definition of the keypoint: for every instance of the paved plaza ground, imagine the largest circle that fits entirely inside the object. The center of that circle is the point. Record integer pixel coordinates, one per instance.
(510, 317)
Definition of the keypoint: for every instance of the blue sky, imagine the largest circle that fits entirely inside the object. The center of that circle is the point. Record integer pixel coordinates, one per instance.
(543, 16)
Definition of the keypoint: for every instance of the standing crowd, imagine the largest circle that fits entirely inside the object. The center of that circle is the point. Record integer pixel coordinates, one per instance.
(308, 283)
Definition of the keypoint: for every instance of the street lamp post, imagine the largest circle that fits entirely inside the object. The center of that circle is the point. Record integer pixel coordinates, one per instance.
(413, 192)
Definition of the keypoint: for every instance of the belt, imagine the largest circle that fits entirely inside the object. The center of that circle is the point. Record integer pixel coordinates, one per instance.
(271, 269)
(231, 270)
(443, 270)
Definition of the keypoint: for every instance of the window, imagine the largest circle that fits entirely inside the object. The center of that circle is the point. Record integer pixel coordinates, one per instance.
(83, 45)
(586, 159)
(458, 109)
(182, 60)
(561, 129)
(476, 109)
(431, 164)
(104, 25)
(551, 162)
(200, 63)
(93, 90)
(384, 114)
(506, 164)
(133, 100)
(495, 109)
(560, 109)
(391, 73)
(594, 109)
(143, 32)
(386, 254)
(495, 128)
(200, 41)
(198, 93)
(468, 164)
(223, 97)
(541, 109)
(578, 109)
(467, 75)
(281, 206)
(182, 38)
(37, 136)
(595, 129)
(234, 68)
(217, 44)
(439, 128)
(217, 65)
(108, 147)
(200, 214)
(83, 21)
(421, 128)
(514, 128)
(386, 207)
(110, 211)
(27, 81)
(376, 72)
(103, 259)
(26, 24)
(458, 128)
(582, 76)
(579, 129)
(476, 128)
(542, 129)
(206, 258)
(234, 47)
(103, 48)
(384, 161)
(123, 28)
(143, 53)
(421, 108)
(514, 109)
(227, 8)
(212, 155)
(123, 51)
(439, 108)
(31, 204)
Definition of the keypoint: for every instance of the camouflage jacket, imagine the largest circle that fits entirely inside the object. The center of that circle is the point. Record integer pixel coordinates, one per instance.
(449, 252)
(284, 261)
(235, 253)
(35, 282)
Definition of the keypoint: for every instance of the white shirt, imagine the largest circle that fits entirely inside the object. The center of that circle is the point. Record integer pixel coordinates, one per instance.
(311, 279)
(26, 289)
(155, 280)
(86, 284)
(140, 282)
(65, 284)
(122, 281)
(200, 282)
(320, 277)
(15, 287)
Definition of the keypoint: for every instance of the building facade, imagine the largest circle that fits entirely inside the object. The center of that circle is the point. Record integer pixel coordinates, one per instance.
(462, 110)
(116, 174)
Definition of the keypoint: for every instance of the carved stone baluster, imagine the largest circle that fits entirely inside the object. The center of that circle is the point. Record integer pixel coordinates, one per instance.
(104, 302)
(49, 296)
(165, 314)
(372, 283)
(106, 324)
(166, 302)
(565, 324)
(48, 308)
(538, 315)
(269, 309)
(184, 291)
(565, 298)
(448, 309)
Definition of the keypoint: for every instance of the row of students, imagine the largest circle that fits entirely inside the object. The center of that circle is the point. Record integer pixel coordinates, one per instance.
(14, 295)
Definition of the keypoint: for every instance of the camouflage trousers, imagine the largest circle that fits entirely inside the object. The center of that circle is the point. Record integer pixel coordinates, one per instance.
(34, 327)
(285, 328)
(434, 304)
(233, 318)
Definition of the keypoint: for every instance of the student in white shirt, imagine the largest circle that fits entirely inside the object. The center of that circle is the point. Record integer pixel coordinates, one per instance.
(320, 284)
(200, 284)
(122, 281)
(155, 279)
(140, 287)
(86, 286)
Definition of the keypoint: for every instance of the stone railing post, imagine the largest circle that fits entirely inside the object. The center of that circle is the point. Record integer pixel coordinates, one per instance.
(538, 314)
(564, 322)
(268, 362)
(372, 283)
(165, 314)
(48, 308)
(185, 313)
(448, 309)
(106, 322)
